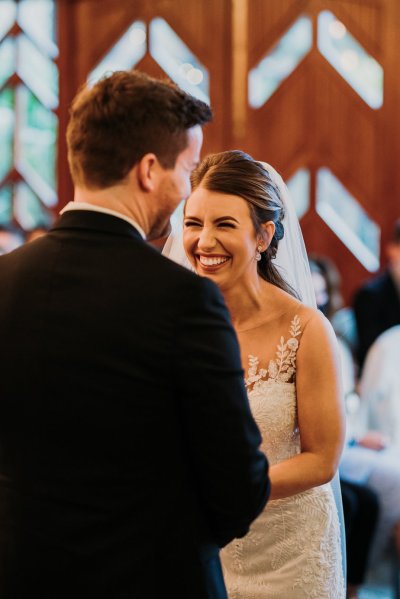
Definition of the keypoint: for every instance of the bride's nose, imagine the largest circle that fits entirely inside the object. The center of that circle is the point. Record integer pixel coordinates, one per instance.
(206, 239)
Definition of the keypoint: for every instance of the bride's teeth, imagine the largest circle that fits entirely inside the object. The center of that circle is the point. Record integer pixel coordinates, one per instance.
(211, 261)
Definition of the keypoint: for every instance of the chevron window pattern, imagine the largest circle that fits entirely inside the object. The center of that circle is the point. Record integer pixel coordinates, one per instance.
(280, 62)
(350, 59)
(28, 103)
(178, 61)
(167, 49)
(347, 219)
(125, 54)
(299, 188)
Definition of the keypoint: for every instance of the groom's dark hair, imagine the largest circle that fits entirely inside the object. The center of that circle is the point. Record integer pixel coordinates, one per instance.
(121, 118)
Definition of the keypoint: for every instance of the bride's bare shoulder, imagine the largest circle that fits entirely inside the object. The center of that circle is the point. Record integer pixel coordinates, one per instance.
(317, 331)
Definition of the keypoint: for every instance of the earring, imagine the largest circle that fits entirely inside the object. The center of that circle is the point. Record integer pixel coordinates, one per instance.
(258, 253)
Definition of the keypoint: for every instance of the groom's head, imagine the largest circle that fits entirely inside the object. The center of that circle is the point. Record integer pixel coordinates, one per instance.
(124, 117)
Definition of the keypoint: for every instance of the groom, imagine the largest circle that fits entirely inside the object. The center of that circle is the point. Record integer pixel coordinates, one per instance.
(128, 453)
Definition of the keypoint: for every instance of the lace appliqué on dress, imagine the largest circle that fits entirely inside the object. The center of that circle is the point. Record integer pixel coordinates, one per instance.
(283, 368)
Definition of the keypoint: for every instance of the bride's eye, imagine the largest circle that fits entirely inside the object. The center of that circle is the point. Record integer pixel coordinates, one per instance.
(227, 225)
(191, 223)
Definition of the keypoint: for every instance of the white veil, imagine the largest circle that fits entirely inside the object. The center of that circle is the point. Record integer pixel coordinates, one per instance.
(292, 262)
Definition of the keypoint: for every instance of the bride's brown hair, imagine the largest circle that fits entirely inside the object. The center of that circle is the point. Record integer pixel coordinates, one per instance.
(236, 173)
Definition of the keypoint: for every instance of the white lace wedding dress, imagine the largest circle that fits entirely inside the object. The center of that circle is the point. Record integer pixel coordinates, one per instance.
(292, 550)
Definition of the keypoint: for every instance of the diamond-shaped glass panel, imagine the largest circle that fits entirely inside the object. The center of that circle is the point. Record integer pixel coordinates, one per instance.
(177, 60)
(37, 137)
(347, 219)
(7, 59)
(6, 205)
(280, 62)
(126, 53)
(7, 123)
(348, 57)
(38, 20)
(8, 14)
(28, 209)
(38, 72)
(299, 188)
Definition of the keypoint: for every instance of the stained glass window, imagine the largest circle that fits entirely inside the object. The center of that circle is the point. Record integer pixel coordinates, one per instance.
(299, 188)
(125, 54)
(280, 62)
(178, 61)
(349, 58)
(28, 101)
(347, 219)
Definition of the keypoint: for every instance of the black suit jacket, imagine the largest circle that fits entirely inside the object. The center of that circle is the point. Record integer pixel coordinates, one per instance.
(128, 453)
(376, 309)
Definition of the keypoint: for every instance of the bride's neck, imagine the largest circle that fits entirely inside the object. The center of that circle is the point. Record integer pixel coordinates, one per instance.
(245, 303)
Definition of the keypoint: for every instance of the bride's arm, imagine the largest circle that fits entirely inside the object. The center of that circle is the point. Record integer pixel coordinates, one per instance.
(320, 413)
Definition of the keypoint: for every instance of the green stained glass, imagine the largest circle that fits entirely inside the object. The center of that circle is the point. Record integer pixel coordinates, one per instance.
(7, 59)
(28, 209)
(38, 136)
(8, 12)
(7, 121)
(6, 205)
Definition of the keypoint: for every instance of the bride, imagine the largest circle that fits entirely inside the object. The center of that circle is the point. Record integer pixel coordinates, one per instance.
(234, 222)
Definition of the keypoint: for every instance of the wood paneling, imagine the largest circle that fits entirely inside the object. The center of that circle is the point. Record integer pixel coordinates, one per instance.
(314, 118)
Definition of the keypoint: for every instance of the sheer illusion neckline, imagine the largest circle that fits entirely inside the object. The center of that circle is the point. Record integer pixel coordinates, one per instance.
(280, 369)
(266, 322)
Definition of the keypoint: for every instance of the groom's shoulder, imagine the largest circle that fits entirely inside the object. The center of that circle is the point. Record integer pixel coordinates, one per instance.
(181, 280)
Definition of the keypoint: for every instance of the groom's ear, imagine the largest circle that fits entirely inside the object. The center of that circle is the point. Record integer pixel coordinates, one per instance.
(147, 172)
(268, 230)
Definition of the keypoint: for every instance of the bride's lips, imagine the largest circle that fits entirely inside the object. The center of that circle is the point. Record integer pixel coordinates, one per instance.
(211, 262)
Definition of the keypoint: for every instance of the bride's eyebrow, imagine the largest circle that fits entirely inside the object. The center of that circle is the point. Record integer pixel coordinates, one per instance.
(221, 218)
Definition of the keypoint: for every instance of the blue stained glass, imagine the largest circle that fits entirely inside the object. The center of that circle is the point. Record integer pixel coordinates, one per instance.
(348, 57)
(8, 13)
(126, 53)
(280, 62)
(177, 60)
(38, 20)
(7, 60)
(299, 188)
(347, 219)
(38, 72)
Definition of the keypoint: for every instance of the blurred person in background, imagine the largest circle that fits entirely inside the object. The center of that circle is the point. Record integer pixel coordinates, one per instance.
(377, 302)
(10, 238)
(36, 232)
(368, 458)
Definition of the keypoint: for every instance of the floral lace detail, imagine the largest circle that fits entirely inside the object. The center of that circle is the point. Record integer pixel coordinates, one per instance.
(283, 368)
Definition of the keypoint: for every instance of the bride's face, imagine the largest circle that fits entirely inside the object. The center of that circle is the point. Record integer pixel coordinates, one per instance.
(219, 237)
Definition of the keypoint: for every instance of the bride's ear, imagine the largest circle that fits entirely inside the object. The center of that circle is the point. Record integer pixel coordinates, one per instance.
(267, 233)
